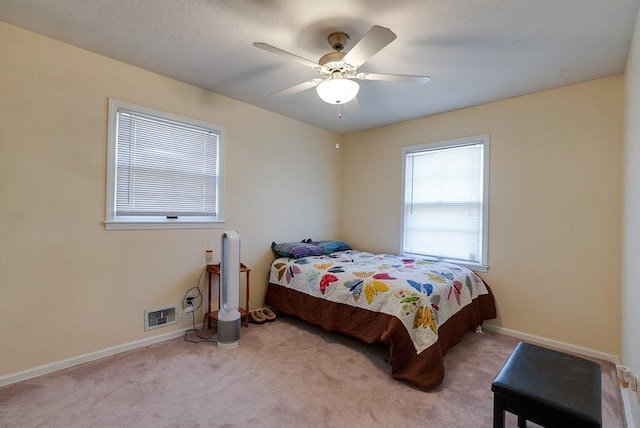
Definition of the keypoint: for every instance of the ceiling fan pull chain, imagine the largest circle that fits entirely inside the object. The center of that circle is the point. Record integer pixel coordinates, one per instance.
(339, 107)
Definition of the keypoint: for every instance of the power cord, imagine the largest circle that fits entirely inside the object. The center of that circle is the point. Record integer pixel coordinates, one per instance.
(199, 299)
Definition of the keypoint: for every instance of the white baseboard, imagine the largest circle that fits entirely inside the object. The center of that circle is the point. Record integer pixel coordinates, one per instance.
(553, 343)
(92, 356)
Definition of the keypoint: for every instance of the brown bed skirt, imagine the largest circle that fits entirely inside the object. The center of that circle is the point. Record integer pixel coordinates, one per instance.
(424, 370)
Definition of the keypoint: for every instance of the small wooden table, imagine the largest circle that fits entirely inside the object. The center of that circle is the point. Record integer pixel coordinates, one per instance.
(244, 312)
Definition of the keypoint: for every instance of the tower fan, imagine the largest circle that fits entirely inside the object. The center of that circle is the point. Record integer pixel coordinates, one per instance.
(229, 315)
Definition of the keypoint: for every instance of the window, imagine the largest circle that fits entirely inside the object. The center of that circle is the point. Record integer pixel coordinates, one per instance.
(446, 200)
(163, 170)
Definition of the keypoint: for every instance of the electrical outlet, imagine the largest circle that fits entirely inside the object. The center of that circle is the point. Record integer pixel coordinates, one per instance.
(188, 304)
(629, 380)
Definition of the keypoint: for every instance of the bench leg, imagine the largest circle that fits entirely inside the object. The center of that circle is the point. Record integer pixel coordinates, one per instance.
(522, 422)
(498, 412)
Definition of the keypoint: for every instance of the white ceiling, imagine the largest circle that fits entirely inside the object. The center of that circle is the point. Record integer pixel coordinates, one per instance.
(476, 51)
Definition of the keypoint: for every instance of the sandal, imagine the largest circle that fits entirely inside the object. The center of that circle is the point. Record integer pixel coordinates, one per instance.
(257, 317)
(268, 314)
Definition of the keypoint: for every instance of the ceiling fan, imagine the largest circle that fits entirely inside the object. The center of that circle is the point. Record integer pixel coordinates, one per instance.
(339, 69)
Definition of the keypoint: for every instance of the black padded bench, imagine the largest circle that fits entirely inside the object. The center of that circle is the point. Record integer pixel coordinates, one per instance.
(549, 388)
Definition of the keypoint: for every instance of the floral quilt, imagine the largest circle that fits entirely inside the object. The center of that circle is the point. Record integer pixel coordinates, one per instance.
(423, 294)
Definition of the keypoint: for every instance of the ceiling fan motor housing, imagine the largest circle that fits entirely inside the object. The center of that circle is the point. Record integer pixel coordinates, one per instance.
(338, 40)
(332, 60)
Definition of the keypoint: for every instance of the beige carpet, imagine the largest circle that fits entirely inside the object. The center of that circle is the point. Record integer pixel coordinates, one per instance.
(284, 374)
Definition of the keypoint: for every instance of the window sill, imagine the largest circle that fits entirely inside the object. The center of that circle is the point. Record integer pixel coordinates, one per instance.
(470, 266)
(476, 267)
(167, 224)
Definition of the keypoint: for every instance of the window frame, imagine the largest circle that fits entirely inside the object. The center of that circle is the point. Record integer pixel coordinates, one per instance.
(484, 139)
(114, 222)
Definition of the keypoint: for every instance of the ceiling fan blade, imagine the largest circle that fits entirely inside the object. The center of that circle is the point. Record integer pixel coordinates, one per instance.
(369, 45)
(298, 88)
(393, 77)
(286, 54)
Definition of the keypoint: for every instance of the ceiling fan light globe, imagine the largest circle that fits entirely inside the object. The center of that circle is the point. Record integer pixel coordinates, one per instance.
(337, 91)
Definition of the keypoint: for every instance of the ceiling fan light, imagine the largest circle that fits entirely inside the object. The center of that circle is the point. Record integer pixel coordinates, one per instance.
(337, 91)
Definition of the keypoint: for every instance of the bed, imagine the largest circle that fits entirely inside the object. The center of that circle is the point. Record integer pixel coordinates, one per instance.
(419, 308)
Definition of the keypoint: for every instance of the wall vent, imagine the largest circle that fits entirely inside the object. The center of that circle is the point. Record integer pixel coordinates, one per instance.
(159, 317)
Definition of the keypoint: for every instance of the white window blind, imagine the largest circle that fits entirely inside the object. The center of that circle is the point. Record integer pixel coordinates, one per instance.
(163, 169)
(444, 203)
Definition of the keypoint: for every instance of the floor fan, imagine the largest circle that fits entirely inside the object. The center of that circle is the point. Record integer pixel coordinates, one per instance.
(229, 314)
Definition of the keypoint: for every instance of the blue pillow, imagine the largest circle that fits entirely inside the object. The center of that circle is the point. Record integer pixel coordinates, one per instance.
(333, 246)
(296, 250)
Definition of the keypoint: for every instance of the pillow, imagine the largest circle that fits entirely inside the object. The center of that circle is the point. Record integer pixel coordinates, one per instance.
(333, 246)
(296, 249)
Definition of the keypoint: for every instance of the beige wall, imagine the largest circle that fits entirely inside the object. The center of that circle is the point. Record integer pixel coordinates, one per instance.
(67, 286)
(554, 210)
(631, 273)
